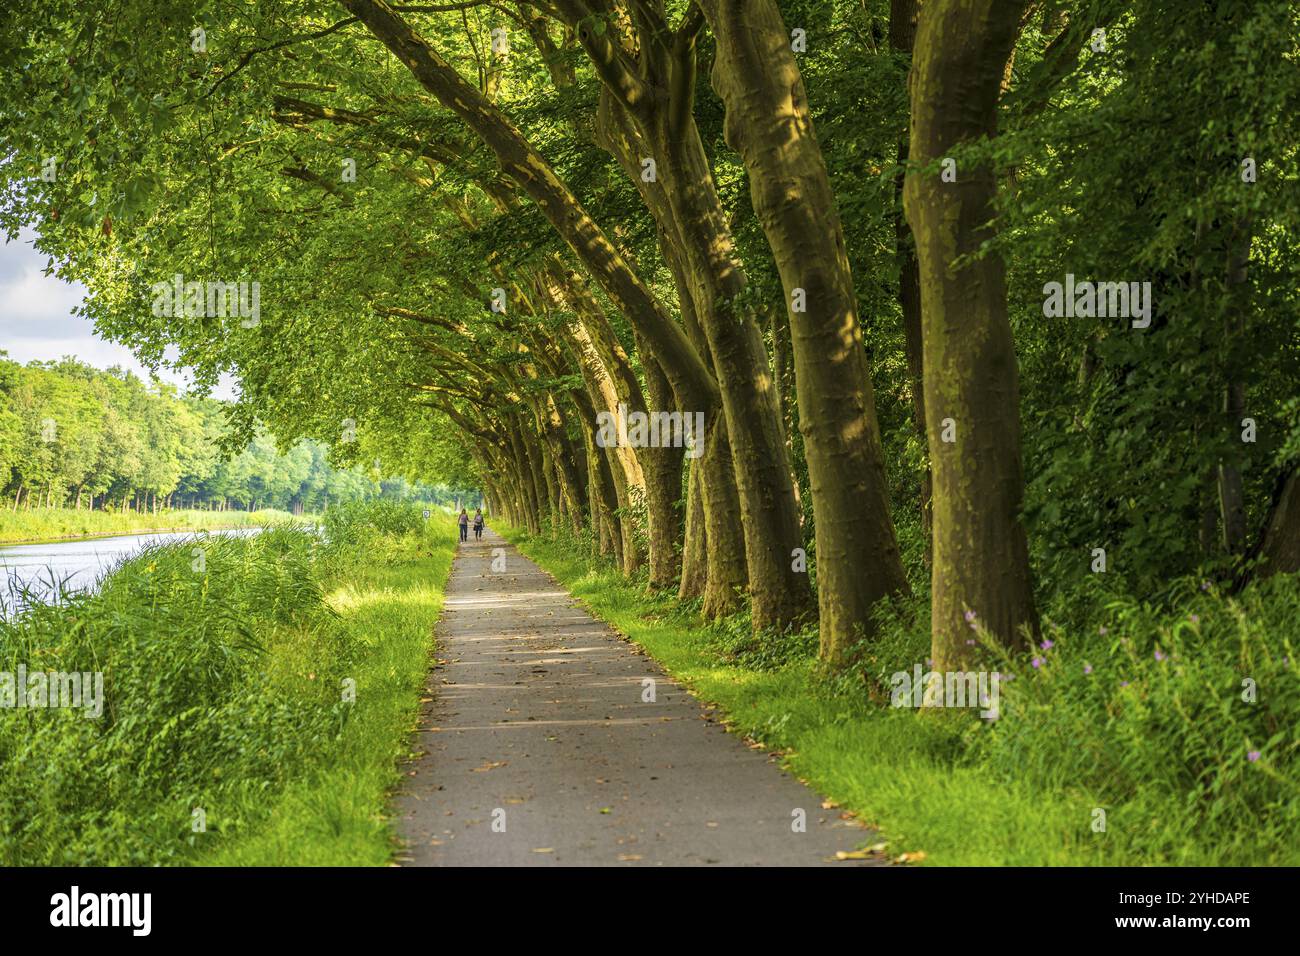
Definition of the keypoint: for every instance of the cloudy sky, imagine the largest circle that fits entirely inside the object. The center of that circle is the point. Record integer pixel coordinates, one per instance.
(36, 320)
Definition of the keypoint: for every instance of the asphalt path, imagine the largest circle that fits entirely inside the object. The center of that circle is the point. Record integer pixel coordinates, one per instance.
(546, 738)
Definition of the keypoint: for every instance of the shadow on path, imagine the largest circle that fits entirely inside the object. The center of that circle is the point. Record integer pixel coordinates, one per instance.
(535, 722)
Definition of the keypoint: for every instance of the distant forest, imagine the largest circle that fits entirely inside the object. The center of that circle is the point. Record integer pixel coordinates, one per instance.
(75, 436)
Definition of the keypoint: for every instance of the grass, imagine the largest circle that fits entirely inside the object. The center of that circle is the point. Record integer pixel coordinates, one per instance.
(1162, 744)
(336, 814)
(225, 689)
(60, 524)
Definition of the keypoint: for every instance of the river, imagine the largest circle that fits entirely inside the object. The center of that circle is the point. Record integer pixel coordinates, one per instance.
(78, 565)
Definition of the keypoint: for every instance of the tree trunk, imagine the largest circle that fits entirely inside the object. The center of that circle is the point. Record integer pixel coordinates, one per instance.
(770, 519)
(1232, 497)
(1279, 547)
(728, 569)
(981, 563)
(695, 547)
(783, 375)
(768, 123)
(663, 484)
(725, 572)
(902, 36)
(697, 243)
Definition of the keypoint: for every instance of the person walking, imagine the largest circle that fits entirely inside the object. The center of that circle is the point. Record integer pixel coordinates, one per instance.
(463, 521)
(478, 524)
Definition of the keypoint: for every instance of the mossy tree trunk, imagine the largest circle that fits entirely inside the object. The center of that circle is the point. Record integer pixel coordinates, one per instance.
(980, 557)
(769, 124)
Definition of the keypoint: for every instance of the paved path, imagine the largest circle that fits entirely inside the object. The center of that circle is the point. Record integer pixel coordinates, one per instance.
(534, 720)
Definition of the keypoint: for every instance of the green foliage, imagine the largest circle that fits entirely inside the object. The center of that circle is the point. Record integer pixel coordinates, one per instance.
(222, 691)
(1194, 708)
(352, 523)
(1123, 164)
(205, 701)
(72, 434)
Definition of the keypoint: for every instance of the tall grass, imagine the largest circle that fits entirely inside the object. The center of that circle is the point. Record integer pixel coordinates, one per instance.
(227, 673)
(54, 524)
(1178, 721)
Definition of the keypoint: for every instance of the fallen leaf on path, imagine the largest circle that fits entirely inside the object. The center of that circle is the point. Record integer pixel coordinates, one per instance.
(853, 855)
(829, 804)
(490, 765)
(543, 849)
(628, 857)
(915, 857)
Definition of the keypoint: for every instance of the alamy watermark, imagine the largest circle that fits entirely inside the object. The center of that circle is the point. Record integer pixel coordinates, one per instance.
(1129, 300)
(75, 908)
(53, 689)
(946, 689)
(212, 299)
(622, 429)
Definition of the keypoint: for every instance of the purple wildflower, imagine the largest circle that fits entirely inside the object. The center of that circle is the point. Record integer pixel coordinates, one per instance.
(1047, 644)
(1252, 756)
(1087, 668)
(1037, 662)
(1159, 656)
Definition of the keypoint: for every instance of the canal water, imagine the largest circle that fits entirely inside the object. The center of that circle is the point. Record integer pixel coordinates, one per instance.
(75, 565)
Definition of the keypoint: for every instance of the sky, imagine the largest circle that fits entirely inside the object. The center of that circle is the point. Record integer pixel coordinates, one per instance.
(36, 320)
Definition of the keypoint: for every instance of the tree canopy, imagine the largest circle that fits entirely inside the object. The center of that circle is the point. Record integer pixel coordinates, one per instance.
(454, 235)
(71, 434)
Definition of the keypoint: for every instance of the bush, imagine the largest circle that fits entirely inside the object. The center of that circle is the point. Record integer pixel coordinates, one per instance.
(358, 522)
(1181, 719)
(221, 672)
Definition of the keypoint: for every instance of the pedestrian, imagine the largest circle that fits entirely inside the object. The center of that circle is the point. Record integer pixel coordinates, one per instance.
(478, 524)
(463, 521)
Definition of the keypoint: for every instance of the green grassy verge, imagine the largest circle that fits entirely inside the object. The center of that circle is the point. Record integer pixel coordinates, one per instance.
(1185, 772)
(337, 814)
(61, 524)
(228, 734)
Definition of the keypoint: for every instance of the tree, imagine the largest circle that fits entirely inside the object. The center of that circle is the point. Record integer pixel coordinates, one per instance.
(981, 560)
